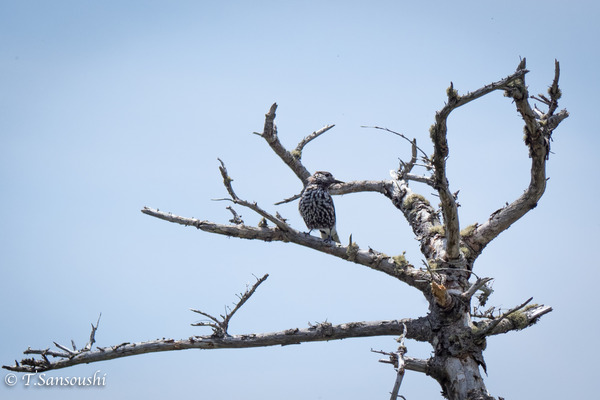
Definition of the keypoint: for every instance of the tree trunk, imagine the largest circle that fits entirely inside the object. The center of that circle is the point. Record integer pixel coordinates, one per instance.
(458, 355)
(462, 379)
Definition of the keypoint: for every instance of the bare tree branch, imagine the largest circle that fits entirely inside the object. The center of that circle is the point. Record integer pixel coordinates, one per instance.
(350, 187)
(417, 329)
(517, 320)
(489, 327)
(360, 186)
(370, 258)
(270, 135)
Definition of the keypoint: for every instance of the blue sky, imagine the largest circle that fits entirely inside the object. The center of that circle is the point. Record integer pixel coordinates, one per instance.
(110, 106)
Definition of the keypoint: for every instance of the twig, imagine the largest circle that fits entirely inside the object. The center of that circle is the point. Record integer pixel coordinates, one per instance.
(216, 325)
(33, 365)
(298, 150)
(400, 366)
(47, 352)
(65, 348)
(92, 340)
(542, 99)
(554, 90)
(237, 219)
(289, 199)
(407, 167)
(484, 332)
(419, 178)
(556, 119)
(488, 314)
(244, 297)
(413, 142)
(486, 292)
(383, 187)
(434, 276)
(398, 360)
(253, 206)
(479, 283)
(220, 326)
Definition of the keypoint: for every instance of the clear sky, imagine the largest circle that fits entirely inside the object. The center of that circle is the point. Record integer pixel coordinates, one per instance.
(108, 106)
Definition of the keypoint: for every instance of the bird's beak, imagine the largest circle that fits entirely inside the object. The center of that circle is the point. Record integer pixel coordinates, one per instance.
(336, 181)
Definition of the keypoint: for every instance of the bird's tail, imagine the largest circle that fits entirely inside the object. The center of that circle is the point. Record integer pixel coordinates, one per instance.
(332, 234)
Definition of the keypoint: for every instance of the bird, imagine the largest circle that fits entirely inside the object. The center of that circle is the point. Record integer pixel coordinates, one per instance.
(316, 205)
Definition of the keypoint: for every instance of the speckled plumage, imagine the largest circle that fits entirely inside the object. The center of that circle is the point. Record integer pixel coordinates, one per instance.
(316, 205)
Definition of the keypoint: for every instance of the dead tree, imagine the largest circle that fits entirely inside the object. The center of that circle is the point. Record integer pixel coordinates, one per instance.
(455, 327)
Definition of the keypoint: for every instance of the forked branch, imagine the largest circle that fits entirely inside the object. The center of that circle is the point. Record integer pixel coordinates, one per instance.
(270, 135)
(517, 318)
(438, 133)
(220, 326)
(538, 129)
